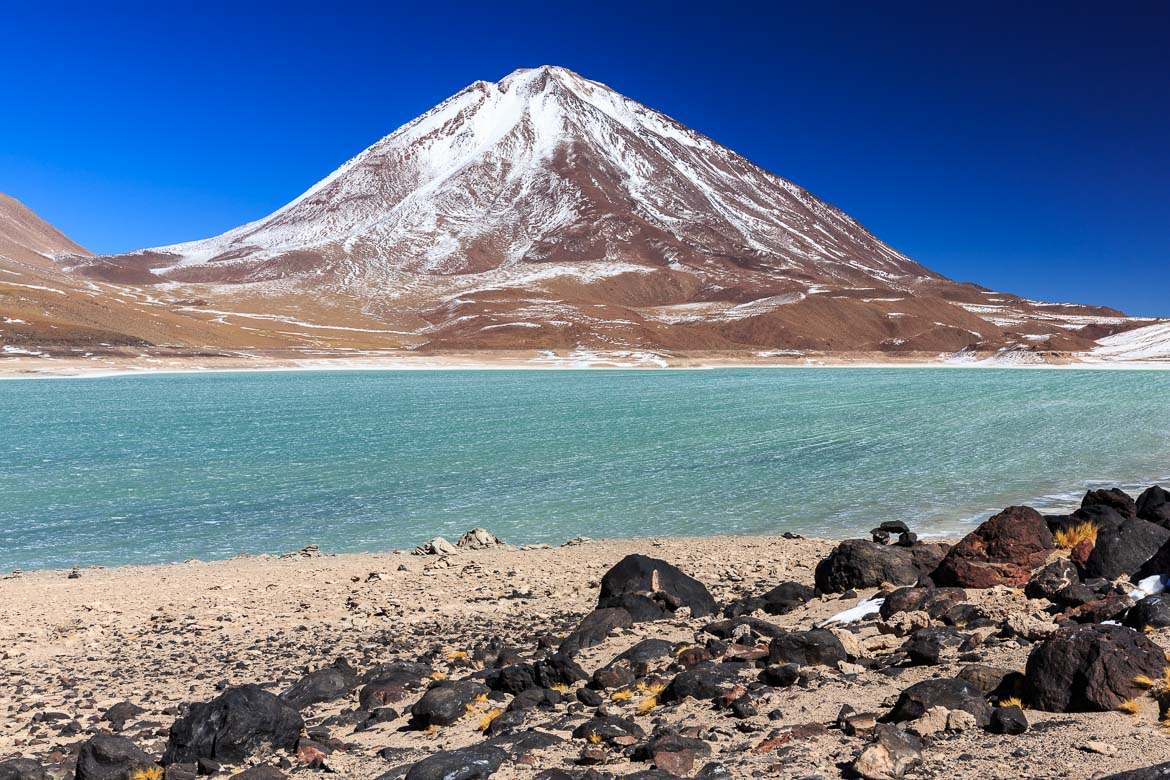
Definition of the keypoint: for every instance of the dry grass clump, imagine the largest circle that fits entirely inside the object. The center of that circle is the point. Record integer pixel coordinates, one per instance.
(650, 690)
(147, 773)
(1068, 538)
(623, 695)
(1011, 701)
(1129, 707)
(488, 717)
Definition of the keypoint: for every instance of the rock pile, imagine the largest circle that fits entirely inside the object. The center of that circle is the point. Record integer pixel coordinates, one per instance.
(1078, 627)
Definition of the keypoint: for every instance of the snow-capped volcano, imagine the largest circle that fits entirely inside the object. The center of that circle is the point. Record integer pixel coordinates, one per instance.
(546, 166)
(547, 210)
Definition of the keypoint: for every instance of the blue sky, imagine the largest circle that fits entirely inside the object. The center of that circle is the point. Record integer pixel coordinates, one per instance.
(1026, 149)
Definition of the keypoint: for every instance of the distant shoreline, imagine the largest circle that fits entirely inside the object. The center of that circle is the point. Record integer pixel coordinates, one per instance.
(48, 367)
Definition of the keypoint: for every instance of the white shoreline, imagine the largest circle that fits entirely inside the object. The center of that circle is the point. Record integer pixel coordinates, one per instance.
(343, 364)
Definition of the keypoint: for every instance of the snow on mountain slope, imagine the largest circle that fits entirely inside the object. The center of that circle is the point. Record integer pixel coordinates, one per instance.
(1151, 343)
(548, 211)
(545, 166)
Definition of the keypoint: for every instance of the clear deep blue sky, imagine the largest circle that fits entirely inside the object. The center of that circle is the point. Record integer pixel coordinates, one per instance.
(1027, 149)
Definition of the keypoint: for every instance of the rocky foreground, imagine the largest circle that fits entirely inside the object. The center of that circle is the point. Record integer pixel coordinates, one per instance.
(1034, 647)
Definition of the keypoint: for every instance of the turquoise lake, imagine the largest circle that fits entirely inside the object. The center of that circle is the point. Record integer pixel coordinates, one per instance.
(146, 469)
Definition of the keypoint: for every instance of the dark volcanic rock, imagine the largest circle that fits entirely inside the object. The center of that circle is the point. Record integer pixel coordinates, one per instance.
(1008, 720)
(1052, 579)
(726, 629)
(260, 772)
(1114, 498)
(616, 675)
(595, 628)
(936, 602)
(1153, 611)
(1090, 668)
(558, 669)
(1110, 607)
(611, 730)
(780, 675)
(643, 653)
(389, 684)
(22, 769)
(672, 753)
(446, 702)
(1001, 551)
(860, 563)
(513, 679)
(234, 725)
(532, 698)
(705, 681)
(1153, 505)
(780, 600)
(1122, 548)
(118, 714)
(925, 646)
(954, 694)
(652, 589)
(328, 684)
(993, 681)
(469, 763)
(519, 743)
(818, 647)
(110, 757)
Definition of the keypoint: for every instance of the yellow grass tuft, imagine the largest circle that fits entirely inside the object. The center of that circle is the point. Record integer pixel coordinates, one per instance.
(456, 655)
(1142, 681)
(488, 717)
(431, 729)
(1129, 707)
(623, 695)
(147, 773)
(560, 688)
(439, 676)
(481, 699)
(594, 739)
(647, 705)
(1011, 701)
(1068, 538)
(652, 688)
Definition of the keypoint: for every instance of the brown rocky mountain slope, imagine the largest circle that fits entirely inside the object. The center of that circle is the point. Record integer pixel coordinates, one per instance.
(549, 212)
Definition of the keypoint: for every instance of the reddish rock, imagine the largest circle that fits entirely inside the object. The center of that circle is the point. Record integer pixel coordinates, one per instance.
(1081, 552)
(1002, 551)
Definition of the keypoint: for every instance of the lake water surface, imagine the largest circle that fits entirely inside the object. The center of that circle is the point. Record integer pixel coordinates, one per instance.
(147, 469)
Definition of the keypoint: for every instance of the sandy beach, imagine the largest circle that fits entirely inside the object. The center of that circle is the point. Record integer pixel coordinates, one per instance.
(161, 636)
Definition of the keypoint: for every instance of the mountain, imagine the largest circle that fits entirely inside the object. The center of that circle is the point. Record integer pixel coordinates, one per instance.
(27, 239)
(47, 312)
(547, 211)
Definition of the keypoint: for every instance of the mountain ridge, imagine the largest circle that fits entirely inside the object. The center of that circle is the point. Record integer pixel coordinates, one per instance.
(546, 211)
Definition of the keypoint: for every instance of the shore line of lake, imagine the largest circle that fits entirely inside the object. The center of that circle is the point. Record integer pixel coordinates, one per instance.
(52, 367)
(714, 657)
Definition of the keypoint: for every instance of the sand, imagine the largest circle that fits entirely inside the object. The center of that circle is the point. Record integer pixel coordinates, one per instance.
(158, 636)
